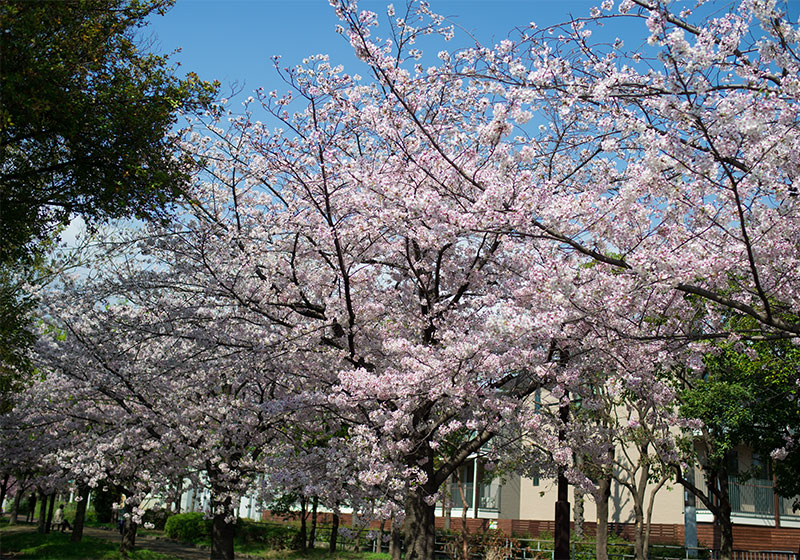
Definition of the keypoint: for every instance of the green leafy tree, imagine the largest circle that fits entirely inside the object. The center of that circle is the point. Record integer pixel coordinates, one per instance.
(85, 117)
(84, 124)
(749, 395)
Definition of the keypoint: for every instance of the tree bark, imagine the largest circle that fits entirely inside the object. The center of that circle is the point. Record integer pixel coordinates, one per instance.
(42, 524)
(50, 511)
(578, 514)
(15, 508)
(717, 500)
(358, 531)
(638, 533)
(601, 543)
(128, 536)
(649, 517)
(334, 533)
(420, 533)
(178, 493)
(464, 507)
(303, 532)
(561, 536)
(381, 530)
(223, 528)
(639, 490)
(312, 534)
(80, 513)
(723, 516)
(395, 543)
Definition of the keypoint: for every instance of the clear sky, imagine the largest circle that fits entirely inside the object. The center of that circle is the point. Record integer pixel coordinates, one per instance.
(233, 40)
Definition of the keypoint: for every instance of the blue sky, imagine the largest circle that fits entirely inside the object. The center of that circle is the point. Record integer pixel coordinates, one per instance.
(233, 40)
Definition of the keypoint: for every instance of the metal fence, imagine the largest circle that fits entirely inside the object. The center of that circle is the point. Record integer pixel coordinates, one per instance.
(448, 547)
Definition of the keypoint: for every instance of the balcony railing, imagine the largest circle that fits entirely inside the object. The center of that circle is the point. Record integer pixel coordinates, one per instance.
(754, 496)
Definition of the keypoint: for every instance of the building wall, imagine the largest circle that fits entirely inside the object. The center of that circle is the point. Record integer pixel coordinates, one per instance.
(537, 502)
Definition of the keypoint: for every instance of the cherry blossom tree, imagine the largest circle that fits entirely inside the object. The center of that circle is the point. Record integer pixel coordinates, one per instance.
(402, 258)
(652, 163)
(167, 379)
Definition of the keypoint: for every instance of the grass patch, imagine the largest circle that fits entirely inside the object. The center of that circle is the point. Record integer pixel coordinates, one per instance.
(57, 546)
(318, 554)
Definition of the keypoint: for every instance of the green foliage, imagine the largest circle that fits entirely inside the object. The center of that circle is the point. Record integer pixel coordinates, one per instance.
(85, 117)
(272, 535)
(16, 325)
(57, 546)
(749, 395)
(188, 527)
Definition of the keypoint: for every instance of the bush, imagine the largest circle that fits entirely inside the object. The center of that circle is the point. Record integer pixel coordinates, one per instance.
(274, 536)
(188, 527)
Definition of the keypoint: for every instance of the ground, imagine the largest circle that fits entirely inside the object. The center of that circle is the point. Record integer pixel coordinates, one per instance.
(156, 544)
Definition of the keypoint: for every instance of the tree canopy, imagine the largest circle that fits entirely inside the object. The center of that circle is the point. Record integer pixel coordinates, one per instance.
(85, 117)
(394, 269)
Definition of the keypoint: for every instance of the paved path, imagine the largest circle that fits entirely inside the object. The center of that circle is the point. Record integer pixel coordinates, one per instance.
(156, 544)
(164, 546)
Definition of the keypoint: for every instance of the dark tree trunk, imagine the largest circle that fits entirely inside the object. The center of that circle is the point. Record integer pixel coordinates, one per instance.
(42, 512)
(723, 516)
(178, 494)
(50, 511)
(395, 542)
(381, 531)
(80, 513)
(717, 500)
(303, 532)
(223, 528)
(561, 536)
(357, 545)
(15, 508)
(128, 536)
(312, 535)
(420, 532)
(334, 533)
(601, 543)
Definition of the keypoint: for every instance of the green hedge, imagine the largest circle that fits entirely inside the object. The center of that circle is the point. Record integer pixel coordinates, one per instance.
(274, 536)
(188, 527)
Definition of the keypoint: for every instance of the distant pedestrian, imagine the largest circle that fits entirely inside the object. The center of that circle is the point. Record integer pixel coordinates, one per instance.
(31, 508)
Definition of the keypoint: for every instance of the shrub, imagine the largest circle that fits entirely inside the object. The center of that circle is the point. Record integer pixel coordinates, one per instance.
(274, 536)
(188, 527)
